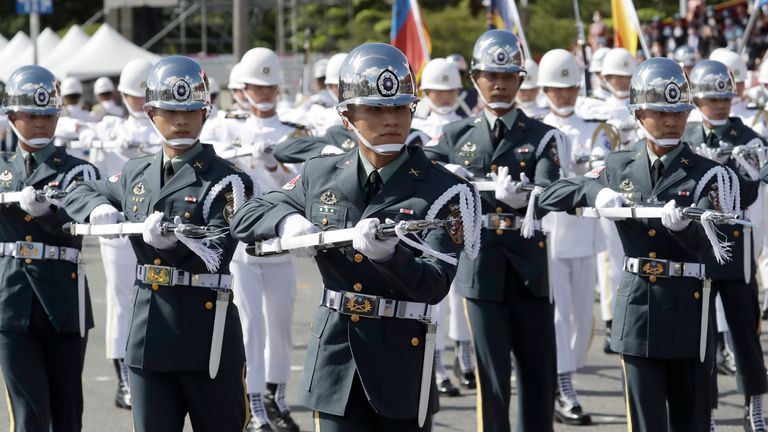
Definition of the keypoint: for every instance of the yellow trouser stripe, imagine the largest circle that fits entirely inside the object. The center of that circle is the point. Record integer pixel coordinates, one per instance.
(477, 375)
(626, 394)
(247, 405)
(10, 409)
(316, 415)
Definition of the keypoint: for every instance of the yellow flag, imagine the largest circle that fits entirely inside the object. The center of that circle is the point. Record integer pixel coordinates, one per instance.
(624, 31)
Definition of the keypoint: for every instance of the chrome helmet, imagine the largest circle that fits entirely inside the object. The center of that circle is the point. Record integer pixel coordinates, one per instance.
(498, 51)
(659, 84)
(685, 55)
(177, 83)
(376, 74)
(713, 80)
(34, 90)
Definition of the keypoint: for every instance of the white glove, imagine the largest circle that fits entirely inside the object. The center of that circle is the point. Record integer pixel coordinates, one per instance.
(609, 198)
(364, 240)
(105, 214)
(87, 137)
(262, 150)
(30, 205)
(458, 170)
(152, 235)
(710, 153)
(672, 217)
(331, 150)
(508, 191)
(294, 225)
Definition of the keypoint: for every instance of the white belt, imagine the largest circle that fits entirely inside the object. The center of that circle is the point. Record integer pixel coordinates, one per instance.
(39, 251)
(663, 268)
(169, 276)
(371, 306)
(505, 221)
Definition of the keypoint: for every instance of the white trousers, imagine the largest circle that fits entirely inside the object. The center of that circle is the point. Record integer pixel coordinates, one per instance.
(609, 268)
(573, 282)
(264, 293)
(452, 308)
(120, 270)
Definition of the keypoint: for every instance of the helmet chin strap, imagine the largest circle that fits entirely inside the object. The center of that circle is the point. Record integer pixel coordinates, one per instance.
(491, 105)
(565, 111)
(261, 106)
(713, 122)
(177, 143)
(382, 149)
(619, 94)
(32, 142)
(137, 115)
(442, 110)
(661, 142)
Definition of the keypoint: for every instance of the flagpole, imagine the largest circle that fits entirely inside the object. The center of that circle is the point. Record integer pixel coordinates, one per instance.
(630, 7)
(519, 25)
(420, 30)
(750, 26)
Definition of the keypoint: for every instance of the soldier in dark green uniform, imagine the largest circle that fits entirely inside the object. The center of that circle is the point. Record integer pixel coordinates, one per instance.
(506, 288)
(45, 308)
(727, 140)
(364, 363)
(185, 347)
(661, 322)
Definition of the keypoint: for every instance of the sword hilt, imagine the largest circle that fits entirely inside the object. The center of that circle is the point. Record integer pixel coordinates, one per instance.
(410, 226)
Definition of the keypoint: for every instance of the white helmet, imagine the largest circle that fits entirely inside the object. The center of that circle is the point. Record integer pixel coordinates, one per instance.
(438, 74)
(235, 81)
(762, 76)
(596, 63)
(318, 70)
(531, 76)
(619, 61)
(213, 86)
(733, 61)
(103, 85)
(333, 68)
(261, 67)
(559, 68)
(71, 86)
(133, 79)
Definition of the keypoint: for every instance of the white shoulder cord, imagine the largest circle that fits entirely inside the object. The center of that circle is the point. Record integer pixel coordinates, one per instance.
(728, 195)
(753, 174)
(88, 172)
(470, 209)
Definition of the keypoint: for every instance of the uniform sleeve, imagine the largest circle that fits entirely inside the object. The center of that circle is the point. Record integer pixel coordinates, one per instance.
(59, 216)
(86, 196)
(299, 149)
(259, 217)
(574, 192)
(438, 148)
(548, 165)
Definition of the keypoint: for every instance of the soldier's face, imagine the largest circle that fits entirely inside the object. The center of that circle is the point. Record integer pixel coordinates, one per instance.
(134, 103)
(262, 94)
(562, 97)
(32, 126)
(498, 86)
(527, 95)
(442, 98)
(618, 82)
(177, 124)
(663, 125)
(715, 109)
(333, 88)
(382, 125)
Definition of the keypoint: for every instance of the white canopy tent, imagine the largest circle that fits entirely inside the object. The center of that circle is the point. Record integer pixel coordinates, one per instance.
(70, 44)
(105, 54)
(16, 46)
(47, 41)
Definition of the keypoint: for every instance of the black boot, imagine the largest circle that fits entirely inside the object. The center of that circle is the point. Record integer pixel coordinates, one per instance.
(466, 379)
(123, 394)
(567, 408)
(607, 343)
(278, 413)
(753, 415)
(444, 385)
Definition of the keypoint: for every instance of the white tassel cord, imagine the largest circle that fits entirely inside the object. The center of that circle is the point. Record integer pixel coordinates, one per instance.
(721, 249)
(88, 174)
(737, 155)
(529, 221)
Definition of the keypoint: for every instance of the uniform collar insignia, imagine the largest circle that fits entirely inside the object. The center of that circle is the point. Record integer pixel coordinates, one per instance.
(57, 160)
(348, 162)
(626, 185)
(328, 198)
(198, 164)
(733, 132)
(478, 120)
(414, 172)
(684, 161)
(520, 124)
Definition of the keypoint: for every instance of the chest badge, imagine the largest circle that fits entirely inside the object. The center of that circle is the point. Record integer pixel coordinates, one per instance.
(6, 175)
(468, 150)
(626, 185)
(348, 144)
(328, 198)
(139, 189)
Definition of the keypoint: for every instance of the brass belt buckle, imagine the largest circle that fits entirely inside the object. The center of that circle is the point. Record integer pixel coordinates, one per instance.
(31, 250)
(653, 267)
(360, 304)
(160, 275)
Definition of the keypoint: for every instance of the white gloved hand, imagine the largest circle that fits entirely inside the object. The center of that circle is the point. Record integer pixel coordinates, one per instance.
(609, 198)
(152, 235)
(29, 203)
(294, 225)
(364, 240)
(458, 170)
(105, 214)
(672, 217)
(707, 152)
(87, 137)
(331, 150)
(508, 191)
(262, 150)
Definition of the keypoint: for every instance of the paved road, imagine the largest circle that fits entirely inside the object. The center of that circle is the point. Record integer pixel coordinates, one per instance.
(599, 384)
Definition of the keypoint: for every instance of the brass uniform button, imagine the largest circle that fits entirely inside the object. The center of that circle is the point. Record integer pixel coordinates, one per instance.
(28, 238)
(355, 318)
(652, 278)
(209, 305)
(736, 233)
(651, 232)
(466, 162)
(499, 231)
(73, 275)
(155, 287)
(541, 244)
(499, 209)
(157, 261)
(358, 258)
(696, 295)
(522, 164)
(357, 286)
(652, 255)
(324, 221)
(494, 167)
(27, 218)
(135, 208)
(187, 215)
(27, 261)
(415, 341)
